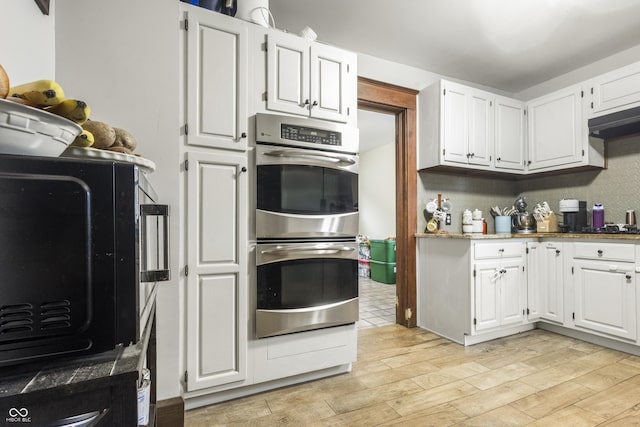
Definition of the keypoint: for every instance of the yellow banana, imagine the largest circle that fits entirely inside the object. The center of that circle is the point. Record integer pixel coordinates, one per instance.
(85, 139)
(40, 92)
(72, 109)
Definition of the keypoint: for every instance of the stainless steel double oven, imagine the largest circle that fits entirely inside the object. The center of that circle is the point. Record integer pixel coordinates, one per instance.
(306, 223)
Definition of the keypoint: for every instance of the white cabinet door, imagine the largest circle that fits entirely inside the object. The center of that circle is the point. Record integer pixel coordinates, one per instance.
(288, 74)
(512, 292)
(552, 285)
(310, 79)
(605, 298)
(333, 79)
(509, 134)
(535, 273)
(615, 90)
(487, 295)
(455, 123)
(216, 81)
(481, 127)
(216, 244)
(556, 127)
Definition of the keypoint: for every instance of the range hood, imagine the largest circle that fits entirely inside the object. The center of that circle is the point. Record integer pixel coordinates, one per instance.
(621, 123)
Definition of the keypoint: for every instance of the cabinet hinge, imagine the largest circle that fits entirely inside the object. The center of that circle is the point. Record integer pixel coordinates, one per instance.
(490, 103)
(581, 94)
(474, 321)
(527, 311)
(186, 25)
(264, 46)
(474, 272)
(582, 153)
(490, 158)
(523, 268)
(524, 112)
(186, 165)
(573, 315)
(186, 377)
(444, 91)
(443, 151)
(264, 96)
(591, 91)
(186, 270)
(571, 270)
(348, 111)
(347, 68)
(186, 129)
(407, 314)
(527, 250)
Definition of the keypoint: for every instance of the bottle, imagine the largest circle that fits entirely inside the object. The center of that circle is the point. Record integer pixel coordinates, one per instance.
(484, 226)
(597, 213)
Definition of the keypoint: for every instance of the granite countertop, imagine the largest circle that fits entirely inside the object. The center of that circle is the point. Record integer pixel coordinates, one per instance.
(478, 236)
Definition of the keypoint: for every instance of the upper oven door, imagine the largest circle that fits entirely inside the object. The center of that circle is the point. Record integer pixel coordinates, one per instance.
(305, 193)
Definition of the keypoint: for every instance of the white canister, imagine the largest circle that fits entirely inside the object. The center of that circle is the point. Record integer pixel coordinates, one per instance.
(477, 214)
(467, 217)
(477, 226)
(256, 11)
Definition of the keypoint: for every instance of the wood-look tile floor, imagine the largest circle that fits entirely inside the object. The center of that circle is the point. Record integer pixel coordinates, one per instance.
(410, 377)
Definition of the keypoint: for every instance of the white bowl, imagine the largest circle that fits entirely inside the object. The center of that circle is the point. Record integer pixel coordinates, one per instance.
(31, 131)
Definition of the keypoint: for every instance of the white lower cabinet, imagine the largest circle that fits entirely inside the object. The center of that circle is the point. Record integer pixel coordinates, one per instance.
(605, 289)
(500, 291)
(216, 271)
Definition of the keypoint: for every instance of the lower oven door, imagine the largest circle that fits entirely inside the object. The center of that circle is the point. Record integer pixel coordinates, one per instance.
(305, 286)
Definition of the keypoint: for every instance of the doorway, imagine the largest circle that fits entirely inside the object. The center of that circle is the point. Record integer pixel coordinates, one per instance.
(377, 219)
(401, 102)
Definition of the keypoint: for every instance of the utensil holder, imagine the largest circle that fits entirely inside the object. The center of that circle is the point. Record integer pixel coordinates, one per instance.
(503, 224)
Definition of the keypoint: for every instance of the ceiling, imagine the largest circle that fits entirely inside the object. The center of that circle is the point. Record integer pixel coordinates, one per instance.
(510, 45)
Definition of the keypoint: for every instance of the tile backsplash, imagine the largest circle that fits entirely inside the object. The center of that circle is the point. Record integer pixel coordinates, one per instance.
(617, 188)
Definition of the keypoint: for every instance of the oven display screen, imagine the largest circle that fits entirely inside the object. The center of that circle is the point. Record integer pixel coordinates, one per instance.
(312, 135)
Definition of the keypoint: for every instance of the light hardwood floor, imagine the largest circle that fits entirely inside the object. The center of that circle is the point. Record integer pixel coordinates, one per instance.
(411, 377)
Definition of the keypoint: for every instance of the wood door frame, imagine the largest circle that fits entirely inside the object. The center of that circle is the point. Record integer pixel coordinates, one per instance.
(386, 98)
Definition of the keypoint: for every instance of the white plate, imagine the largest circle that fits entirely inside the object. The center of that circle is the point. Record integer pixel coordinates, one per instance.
(95, 153)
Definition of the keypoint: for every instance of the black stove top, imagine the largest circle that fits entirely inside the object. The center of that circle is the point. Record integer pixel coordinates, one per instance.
(611, 229)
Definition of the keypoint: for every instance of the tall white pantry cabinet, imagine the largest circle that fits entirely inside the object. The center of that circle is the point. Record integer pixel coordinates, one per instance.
(216, 167)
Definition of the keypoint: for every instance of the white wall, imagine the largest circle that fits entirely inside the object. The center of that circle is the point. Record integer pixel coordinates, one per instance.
(377, 192)
(27, 50)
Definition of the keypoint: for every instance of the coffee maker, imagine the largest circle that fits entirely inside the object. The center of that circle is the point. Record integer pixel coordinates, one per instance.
(574, 213)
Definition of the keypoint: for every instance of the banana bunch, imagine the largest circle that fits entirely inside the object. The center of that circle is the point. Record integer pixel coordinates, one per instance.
(41, 93)
(48, 95)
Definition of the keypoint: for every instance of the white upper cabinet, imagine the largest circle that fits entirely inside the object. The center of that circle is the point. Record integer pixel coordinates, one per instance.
(615, 91)
(456, 126)
(509, 133)
(310, 79)
(558, 133)
(216, 80)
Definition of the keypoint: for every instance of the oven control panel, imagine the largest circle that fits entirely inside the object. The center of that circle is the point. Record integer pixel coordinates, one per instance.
(311, 135)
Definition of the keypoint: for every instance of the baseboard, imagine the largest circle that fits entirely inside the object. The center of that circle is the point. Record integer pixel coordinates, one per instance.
(170, 412)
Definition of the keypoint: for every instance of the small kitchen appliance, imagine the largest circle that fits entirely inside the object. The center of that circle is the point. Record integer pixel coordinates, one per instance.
(522, 221)
(574, 214)
(78, 247)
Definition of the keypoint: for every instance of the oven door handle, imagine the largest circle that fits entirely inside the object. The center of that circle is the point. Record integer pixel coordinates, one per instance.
(160, 274)
(327, 158)
(309, 249)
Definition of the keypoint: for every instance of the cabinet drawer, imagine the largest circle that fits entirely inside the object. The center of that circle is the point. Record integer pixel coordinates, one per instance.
(605, 251)
(498, 250)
